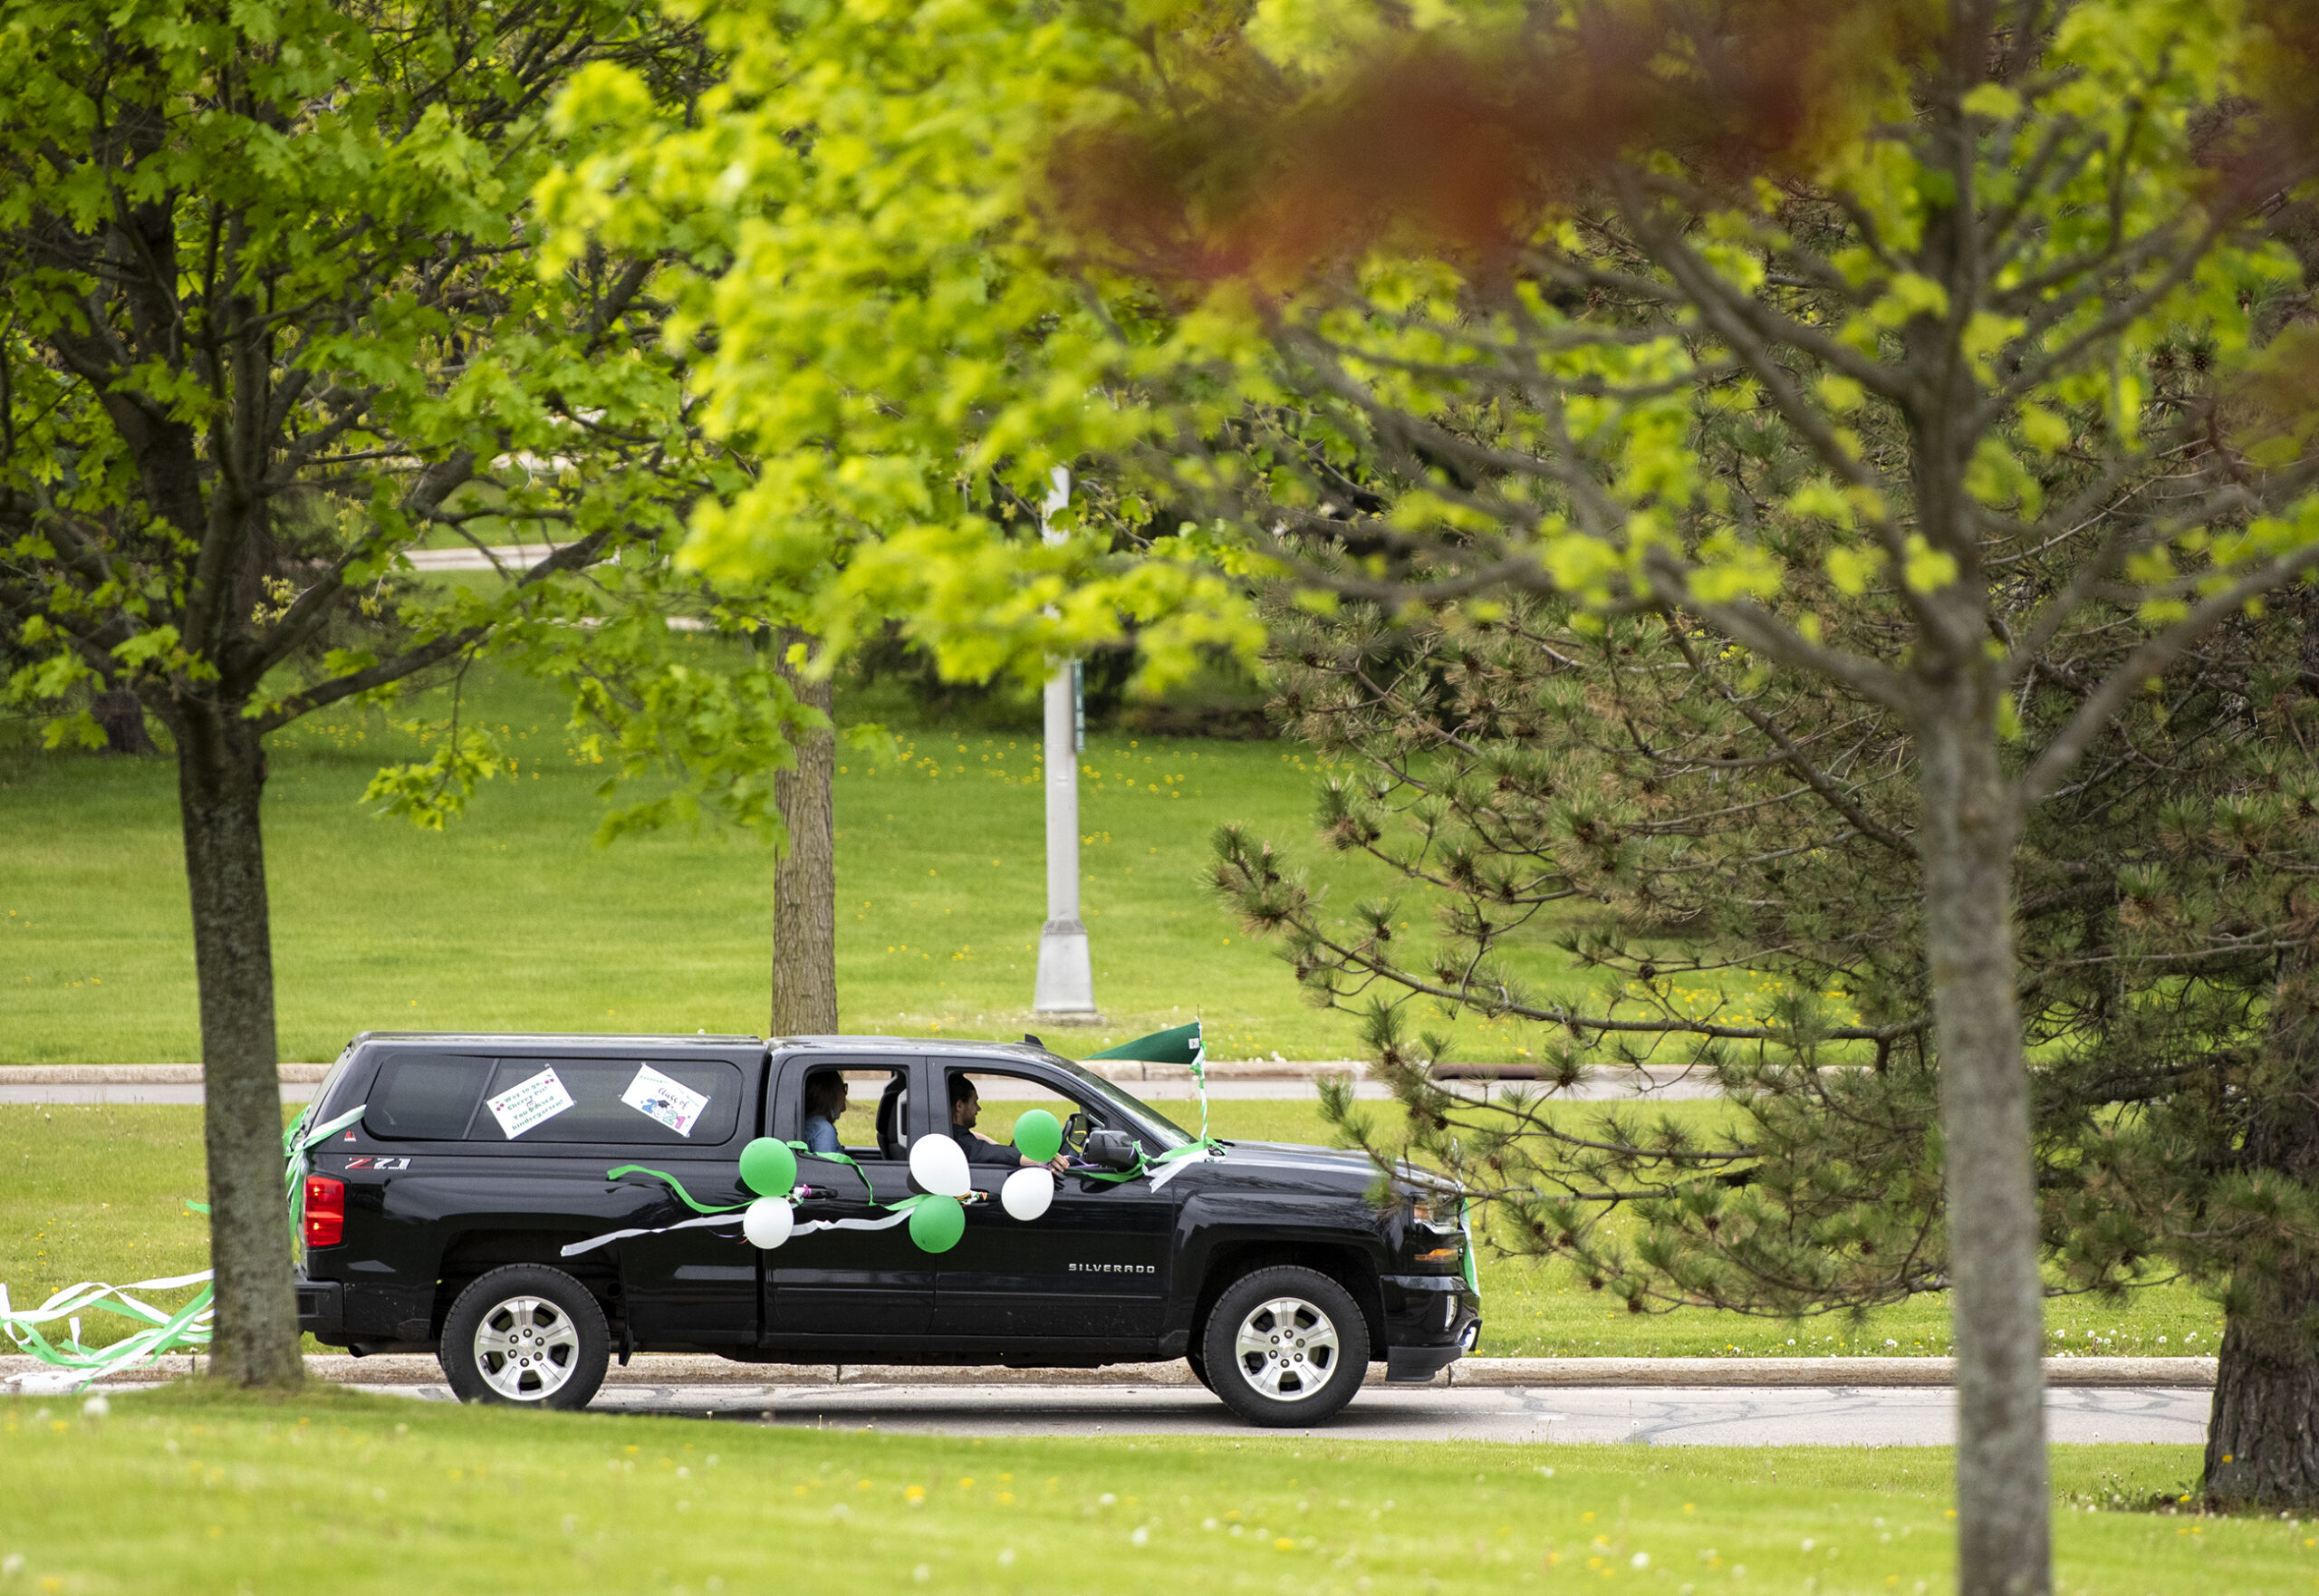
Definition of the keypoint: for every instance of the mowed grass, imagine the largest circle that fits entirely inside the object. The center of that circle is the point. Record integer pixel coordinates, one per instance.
(187, 1490)
(99, 1192)
(512, 920)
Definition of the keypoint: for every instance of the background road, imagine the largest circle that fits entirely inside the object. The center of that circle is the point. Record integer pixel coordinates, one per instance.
(1742, 1416)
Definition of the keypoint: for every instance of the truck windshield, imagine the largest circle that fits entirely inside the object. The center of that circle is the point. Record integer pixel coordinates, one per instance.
(1147, 1122)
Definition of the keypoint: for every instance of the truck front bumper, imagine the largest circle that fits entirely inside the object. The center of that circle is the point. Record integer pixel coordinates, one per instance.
(1431, 1320)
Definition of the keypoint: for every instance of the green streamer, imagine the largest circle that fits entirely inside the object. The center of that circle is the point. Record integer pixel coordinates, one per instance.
(802, 1151)
(296, 1143)
(675, 1185)
(184, 1329)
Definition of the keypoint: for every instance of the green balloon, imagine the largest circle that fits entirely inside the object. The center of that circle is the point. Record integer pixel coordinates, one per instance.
(768, 1168)
(937, 1223)
(1038, 1136)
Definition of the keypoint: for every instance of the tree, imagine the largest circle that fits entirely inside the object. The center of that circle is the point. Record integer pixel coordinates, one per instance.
(863, 321)
(269, 315)
(1737, 843)
(805, 919)
(1518, 261)
(1525, 262)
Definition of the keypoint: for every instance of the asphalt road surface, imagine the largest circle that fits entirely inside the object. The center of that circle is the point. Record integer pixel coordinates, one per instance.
(1729, 1417)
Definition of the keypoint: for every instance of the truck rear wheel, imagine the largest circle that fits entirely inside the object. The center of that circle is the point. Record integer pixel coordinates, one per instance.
(527, 1336)
(1284, 1346)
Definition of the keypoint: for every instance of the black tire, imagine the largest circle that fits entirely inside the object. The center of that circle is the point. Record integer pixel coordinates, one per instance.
(1199, 1368)
(1306, 1354)
(525, 1336)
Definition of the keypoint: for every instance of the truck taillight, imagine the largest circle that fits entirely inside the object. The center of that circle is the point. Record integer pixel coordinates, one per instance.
(325, 1211)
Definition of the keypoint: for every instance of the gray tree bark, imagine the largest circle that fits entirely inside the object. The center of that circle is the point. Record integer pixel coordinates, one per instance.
(121, 714)
(2004, 1544)
(804, 877)
(221, 780)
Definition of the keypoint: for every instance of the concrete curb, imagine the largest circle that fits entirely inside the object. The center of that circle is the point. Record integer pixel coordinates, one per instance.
(136, 1074)
(660, 1369)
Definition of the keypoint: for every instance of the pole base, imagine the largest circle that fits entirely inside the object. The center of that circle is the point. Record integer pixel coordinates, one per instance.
(1065, 993)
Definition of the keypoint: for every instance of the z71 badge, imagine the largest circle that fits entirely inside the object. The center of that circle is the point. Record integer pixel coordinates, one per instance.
(368, 1162)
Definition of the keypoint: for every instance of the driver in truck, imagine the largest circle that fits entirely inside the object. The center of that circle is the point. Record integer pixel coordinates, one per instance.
(965, 1108)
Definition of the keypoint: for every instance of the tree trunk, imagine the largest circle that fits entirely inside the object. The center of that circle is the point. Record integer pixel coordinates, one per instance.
(2003, 1532)
(2263, 1439)
(804, 877)
(121, 714)
(221, 778)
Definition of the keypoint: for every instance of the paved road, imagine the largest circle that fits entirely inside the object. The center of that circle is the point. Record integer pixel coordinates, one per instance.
(1731, 1417)
(503, 557)
(116, 1092)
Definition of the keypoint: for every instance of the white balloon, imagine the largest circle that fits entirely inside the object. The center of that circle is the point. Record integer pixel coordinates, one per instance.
(768, 1221)
(1026, 1194)
(938, 1165)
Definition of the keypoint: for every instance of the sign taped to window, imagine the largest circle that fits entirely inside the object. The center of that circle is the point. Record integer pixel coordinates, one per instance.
(529, 1103)
(657, 1097)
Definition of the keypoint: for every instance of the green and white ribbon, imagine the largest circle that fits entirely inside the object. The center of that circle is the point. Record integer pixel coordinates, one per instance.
(296, 1143)
(165, 1330)
(730, 1213)
(179, 1329)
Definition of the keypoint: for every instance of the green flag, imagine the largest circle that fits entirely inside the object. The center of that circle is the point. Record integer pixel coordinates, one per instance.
(1179, 1046)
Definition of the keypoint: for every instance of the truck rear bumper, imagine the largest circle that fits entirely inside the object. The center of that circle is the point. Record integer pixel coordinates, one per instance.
(321, 1307)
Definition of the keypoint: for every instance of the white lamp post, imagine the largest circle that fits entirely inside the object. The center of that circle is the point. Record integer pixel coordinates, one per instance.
(1065, 994)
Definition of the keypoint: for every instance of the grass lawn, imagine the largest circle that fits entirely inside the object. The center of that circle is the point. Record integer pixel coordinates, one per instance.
(512, 920)
(98, 1193)
(183, 1490)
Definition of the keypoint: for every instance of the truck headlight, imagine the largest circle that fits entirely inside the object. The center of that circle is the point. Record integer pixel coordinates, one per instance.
(1443, 1210)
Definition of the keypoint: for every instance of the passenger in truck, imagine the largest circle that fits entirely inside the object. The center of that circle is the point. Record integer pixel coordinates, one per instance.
(965, 1108)
(824, 1104)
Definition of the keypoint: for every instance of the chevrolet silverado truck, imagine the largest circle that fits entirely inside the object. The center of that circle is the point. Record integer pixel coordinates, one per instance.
(528, 1207)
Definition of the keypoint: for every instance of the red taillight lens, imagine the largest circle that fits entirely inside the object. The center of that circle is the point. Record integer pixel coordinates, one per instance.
(325, 1211)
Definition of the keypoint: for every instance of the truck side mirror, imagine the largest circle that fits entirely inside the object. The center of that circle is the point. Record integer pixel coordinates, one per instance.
(1110, 1150)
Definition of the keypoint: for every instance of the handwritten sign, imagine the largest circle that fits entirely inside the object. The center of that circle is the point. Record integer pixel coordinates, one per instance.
(529, 1103)
(657, 1097)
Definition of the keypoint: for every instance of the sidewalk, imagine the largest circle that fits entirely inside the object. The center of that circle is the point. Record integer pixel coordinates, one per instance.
(658, 1369)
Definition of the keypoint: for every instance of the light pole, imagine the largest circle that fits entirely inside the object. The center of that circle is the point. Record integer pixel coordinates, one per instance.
(1065, 993)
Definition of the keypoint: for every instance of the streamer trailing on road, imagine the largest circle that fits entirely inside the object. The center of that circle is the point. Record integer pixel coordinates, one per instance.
(529, 1206)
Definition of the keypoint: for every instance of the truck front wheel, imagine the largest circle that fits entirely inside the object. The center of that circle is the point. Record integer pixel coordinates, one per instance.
(1284, 1346)
(528, 1336)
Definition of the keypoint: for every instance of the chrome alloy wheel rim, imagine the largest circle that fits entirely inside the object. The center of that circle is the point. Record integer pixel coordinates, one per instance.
(526, 1349)
(1286, 1348)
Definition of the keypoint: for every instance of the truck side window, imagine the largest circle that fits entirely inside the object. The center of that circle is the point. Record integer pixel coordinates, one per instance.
(670, 1102)
(425, 1097)
(869, 1107)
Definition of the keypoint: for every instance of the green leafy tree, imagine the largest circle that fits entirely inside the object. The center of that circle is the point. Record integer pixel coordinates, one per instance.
(1517, 260)
(865, 316)
(271, 314)
(877, 312)
(1525, 261)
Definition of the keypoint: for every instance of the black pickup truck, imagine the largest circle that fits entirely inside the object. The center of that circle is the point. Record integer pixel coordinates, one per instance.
(485, 1206)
